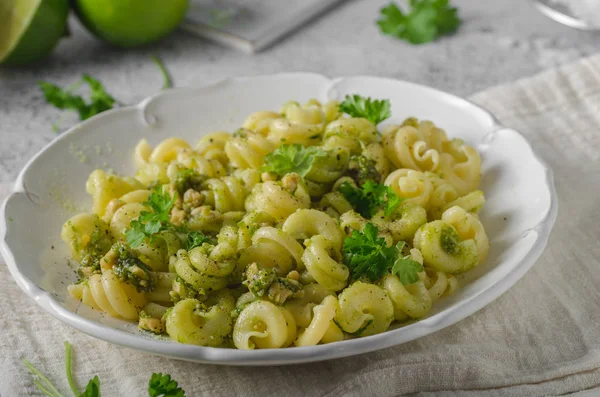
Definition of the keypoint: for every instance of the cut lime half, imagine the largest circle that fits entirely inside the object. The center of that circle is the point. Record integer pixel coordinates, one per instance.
(30, 29)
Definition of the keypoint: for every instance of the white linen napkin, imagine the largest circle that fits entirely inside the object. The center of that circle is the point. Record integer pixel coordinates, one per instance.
(541, 338)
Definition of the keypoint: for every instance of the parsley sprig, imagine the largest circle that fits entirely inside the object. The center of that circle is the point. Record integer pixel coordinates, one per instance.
(152, 222)
(159, 385)
(292, 158)
(425, 22)
(164, 386)
(405, 268)
(196, 239)
(65, 99)
(374, 110)
(371, 197)
(368, 255)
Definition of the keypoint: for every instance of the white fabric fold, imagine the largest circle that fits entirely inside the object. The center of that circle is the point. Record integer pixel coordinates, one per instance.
(541, 338)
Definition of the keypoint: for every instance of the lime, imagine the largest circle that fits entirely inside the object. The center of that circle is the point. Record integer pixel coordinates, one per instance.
(130, 23)
(30, 29)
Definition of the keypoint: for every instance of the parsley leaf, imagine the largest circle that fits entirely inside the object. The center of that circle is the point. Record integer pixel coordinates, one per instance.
(64, 99)
(425, 22)
(155, 221)
(292, 158)
(371, 197)
(196, 239)
(367, 255)
(374, 110)
(164, 386)
(405, 268)
(92, 389)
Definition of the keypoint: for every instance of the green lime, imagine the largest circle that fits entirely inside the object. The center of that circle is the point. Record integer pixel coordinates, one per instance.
(30, 29)
(130, 23)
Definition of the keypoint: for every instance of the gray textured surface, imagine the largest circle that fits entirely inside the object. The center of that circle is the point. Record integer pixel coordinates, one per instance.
(499, 41)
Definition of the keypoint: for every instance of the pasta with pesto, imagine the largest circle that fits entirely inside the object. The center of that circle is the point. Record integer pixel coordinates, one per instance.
(305, 226)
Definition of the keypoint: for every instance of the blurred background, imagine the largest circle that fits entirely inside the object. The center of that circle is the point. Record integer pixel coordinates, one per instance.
(497, 41)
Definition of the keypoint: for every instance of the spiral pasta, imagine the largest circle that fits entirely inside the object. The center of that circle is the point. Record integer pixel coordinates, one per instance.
(305, 226)
(364, 309)
(104, 292)
(263, 325)
(248, 149)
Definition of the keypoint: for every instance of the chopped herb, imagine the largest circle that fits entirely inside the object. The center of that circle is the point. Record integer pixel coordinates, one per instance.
(424, 22)
(150, 223)
(374, 110)
(164, 386)
(159, 385)
(405, 268)
(196, 239)
(372, 196)
(64, 99)
(367, 255)
(292, 158)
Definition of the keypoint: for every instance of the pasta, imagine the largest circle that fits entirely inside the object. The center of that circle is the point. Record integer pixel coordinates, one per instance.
(305, 226)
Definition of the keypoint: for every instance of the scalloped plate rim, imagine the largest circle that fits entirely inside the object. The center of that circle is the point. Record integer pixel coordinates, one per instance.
(296, 355)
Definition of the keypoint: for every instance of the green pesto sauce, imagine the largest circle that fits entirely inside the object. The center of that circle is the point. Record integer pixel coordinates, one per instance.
(449, 240)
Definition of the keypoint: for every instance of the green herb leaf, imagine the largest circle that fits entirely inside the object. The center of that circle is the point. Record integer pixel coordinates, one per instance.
(367, 255)
(372, 196)
(150, 223)
(196, 239)
(135, 235)
(374, 110)
(292, 158)
(92, 389)
(64, 99)
(405, 268)
(164, 386)
(425, 22)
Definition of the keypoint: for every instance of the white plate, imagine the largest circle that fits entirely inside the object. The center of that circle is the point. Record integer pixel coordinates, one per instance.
(520, 210)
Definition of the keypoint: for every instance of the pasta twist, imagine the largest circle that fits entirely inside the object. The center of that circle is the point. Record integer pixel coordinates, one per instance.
(306, 223)
(334, 204)
(414, 145)
(199, 271)
(302, 307)
(321, 328)
(81, 230)
(310, 113)
(263, 325)
(279, 199)
(260, 122)
(282, 131)
(273, 248)
(322, 260)
(189, 321)
(468, 227)
(364, 309)
(453, 244)
(411, 185)
(461, 166)
(104, 292)
(348, 133)
(328, 169)
(229, 193)
(105, 187)
(248, 149)
(212, 147)
(403, 223)
(409, 301)
(192, 160)
(439, 284)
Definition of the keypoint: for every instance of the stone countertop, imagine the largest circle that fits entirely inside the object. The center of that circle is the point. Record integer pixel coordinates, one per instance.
(499, 41)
